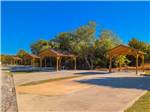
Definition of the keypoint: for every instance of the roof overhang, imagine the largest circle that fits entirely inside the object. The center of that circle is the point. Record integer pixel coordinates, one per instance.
(124, 50)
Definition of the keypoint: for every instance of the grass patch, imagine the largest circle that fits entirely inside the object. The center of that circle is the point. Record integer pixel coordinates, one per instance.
(8, 74)
(141, 105)
(50, 80)
(147, 73)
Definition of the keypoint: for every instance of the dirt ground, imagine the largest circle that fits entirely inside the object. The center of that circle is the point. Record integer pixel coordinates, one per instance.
(100, 91)
(53, 88)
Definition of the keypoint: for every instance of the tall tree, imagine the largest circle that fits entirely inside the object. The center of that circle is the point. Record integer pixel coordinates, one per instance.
(134, 43)
(82, 44)
(145, 47)
(21, 53)
(63, 41)
(106, 41)
(39, 45)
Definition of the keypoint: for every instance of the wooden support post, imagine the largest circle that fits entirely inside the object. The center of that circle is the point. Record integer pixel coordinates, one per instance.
(110, 63)
(143, 63)
(60, 63)
(11, 62)
(41, 62)
(45, 62)
(137, 63)
(57, 62)
(75, 63)
(33, 62)
(119, 66)
(25, 62)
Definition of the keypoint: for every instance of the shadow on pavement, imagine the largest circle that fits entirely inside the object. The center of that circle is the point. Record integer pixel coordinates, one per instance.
(92, 73)
(121, 82)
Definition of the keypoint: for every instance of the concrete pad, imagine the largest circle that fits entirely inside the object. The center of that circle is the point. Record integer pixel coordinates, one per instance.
(53, 88)
(23, 78)
(105, 93)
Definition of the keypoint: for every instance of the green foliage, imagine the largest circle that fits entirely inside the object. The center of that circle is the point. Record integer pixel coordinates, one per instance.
(147, 51)
(6, 59)
(106, 41)
(145, 47)
(39, 45)
(63, 41)
(134, 43)
(82, 44)
(91, 51)
(122, 60)
(21, 53)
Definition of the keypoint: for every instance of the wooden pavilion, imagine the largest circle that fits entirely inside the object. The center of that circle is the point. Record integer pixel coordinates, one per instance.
(29, 58)
(56, 54)
(33, 58)
(125, 50)
(16, 60)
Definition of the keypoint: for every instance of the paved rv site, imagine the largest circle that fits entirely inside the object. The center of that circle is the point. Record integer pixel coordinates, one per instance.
(83, 91)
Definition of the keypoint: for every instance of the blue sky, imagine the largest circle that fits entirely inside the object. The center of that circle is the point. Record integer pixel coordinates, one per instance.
(26, 22)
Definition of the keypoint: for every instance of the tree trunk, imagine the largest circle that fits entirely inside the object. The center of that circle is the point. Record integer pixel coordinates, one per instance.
(91, 63)
(87, 62)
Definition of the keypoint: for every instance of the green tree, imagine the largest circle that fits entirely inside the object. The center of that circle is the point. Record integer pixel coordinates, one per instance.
(122, 61)
(21, 53)
(142, 46)
(5, 59)
(62, 41)
(39, 45)
(147, 51)
(136, 44)
(106, 41)
(82, 44)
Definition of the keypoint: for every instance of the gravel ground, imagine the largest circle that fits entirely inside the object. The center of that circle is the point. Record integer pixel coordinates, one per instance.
(8, 101)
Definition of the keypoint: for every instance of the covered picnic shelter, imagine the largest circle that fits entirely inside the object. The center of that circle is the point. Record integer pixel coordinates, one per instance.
(16, 60)
(58, 55)
(125, 50)
(33, 58)
(29, 59)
